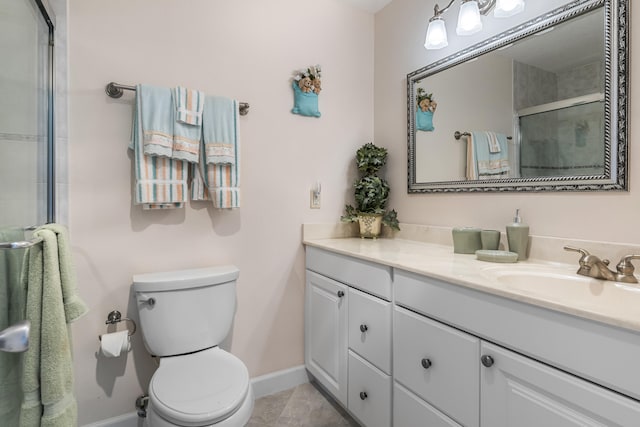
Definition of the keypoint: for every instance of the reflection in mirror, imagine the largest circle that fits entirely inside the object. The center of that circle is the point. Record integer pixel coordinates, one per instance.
(540, 107)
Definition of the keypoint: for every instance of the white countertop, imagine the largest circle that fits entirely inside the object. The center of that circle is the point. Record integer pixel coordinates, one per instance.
(555, 286)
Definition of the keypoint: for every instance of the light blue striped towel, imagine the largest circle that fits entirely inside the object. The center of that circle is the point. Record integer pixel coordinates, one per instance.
(219, 181)
(219, 130)
(488, 162)
(160, 182)
(187, 131)
(157, 117)
(189, 105)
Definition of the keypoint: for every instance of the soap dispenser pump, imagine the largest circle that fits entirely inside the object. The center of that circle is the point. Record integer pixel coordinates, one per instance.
(518, 237)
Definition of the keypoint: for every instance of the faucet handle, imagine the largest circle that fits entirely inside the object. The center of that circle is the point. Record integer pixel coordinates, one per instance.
(582, 252)
(625, 267)
(585, 267)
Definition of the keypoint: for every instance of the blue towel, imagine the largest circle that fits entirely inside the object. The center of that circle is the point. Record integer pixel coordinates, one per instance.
(157, 118)
(489, 163)
(160, 182)
(219, 130)
(187, 130)
(217, 176)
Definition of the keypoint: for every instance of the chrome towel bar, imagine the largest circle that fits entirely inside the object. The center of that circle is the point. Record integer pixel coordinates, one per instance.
(20, 244)
(457, 135)
(115, 90)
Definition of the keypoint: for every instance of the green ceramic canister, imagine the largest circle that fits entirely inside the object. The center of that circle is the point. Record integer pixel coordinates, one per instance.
(466, 240)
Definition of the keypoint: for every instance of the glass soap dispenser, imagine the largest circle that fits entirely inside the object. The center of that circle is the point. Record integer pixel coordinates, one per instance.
(518, 237)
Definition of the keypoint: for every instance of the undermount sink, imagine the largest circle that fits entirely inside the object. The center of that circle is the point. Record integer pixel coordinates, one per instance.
(551, 282)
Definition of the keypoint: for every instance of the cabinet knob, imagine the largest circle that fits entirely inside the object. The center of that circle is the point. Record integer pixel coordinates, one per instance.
(364, 328)
(426, 363)
(363, 395)
(340, 294)
(487, 360)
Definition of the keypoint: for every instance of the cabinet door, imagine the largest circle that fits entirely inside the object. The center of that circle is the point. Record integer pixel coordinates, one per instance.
(518, 391)
(370, 328)
(438, 363)
(325, 332)
(369, 393)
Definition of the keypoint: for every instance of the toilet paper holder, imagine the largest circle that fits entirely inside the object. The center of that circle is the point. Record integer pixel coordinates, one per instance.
(115, 317)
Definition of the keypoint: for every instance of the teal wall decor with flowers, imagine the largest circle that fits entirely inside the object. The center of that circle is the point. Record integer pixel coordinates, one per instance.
(306, 87)
(424, 113)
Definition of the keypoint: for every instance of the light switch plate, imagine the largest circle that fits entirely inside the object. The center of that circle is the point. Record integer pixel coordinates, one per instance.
(315, 200)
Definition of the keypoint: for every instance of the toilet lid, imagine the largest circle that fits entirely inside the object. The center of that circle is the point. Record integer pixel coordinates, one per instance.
(199, 388)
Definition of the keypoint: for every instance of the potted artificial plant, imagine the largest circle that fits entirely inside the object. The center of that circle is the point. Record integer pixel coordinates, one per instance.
(371, 194)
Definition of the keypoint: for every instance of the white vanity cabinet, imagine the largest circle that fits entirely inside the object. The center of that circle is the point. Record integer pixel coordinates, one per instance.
(416, 351)
(348, 333)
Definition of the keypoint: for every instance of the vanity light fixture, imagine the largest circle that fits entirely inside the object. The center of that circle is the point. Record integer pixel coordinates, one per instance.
(469, 21)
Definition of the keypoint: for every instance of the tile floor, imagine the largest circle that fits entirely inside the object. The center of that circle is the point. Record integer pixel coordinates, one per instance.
(302, 406)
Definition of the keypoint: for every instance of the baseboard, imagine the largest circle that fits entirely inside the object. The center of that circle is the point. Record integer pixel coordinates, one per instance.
(126, 420)
(274, 382)
(263, 385)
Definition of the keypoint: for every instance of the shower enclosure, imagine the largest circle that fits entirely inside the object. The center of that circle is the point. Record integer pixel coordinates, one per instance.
(26, 113)
(26, 170)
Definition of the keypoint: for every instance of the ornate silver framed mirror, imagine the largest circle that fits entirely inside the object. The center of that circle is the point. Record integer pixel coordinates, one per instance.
(540, 107)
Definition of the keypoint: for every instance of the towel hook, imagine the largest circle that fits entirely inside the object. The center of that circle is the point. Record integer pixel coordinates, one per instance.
(116, 317)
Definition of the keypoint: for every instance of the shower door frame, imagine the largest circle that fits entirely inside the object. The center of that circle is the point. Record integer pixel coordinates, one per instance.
(49, 18)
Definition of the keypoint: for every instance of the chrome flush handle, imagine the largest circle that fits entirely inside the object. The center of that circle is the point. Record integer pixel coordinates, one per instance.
(147, 300)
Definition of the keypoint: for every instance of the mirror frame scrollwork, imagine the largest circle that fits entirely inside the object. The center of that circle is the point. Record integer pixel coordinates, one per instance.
(615, 175)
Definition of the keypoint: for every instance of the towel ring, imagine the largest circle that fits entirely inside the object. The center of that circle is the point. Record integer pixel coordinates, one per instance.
(116, 317)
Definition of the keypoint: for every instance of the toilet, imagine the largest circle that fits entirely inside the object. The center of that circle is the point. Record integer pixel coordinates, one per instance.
(184, 316)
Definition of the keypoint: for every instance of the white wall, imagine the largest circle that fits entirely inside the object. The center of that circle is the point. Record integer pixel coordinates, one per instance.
(399, 36)
(246, 49)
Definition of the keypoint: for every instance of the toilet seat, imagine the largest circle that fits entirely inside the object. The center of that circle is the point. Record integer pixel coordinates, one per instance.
(199, 389)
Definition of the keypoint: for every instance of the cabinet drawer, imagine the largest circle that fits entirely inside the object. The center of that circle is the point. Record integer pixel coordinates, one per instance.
(438, 363)
(519, 391)
(370, 328)
(372, 278)
(369, 393)
(409, 410)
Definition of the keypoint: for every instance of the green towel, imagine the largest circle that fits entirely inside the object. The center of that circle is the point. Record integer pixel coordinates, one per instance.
(47, 381)
(74, 307)
(11, 311)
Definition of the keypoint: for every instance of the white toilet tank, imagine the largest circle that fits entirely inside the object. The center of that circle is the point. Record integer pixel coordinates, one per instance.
(187, 310)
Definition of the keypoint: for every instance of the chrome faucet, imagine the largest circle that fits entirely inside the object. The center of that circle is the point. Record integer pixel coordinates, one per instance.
(592, 266)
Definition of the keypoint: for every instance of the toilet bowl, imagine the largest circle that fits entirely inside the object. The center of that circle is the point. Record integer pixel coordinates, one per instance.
(207, 388)
(184, 315)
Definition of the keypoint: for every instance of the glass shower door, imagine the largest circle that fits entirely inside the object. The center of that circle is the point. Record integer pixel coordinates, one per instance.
(25, 114)
(26, 169)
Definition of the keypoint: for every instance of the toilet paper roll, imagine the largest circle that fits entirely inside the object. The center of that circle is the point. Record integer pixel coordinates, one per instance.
(115, 344)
